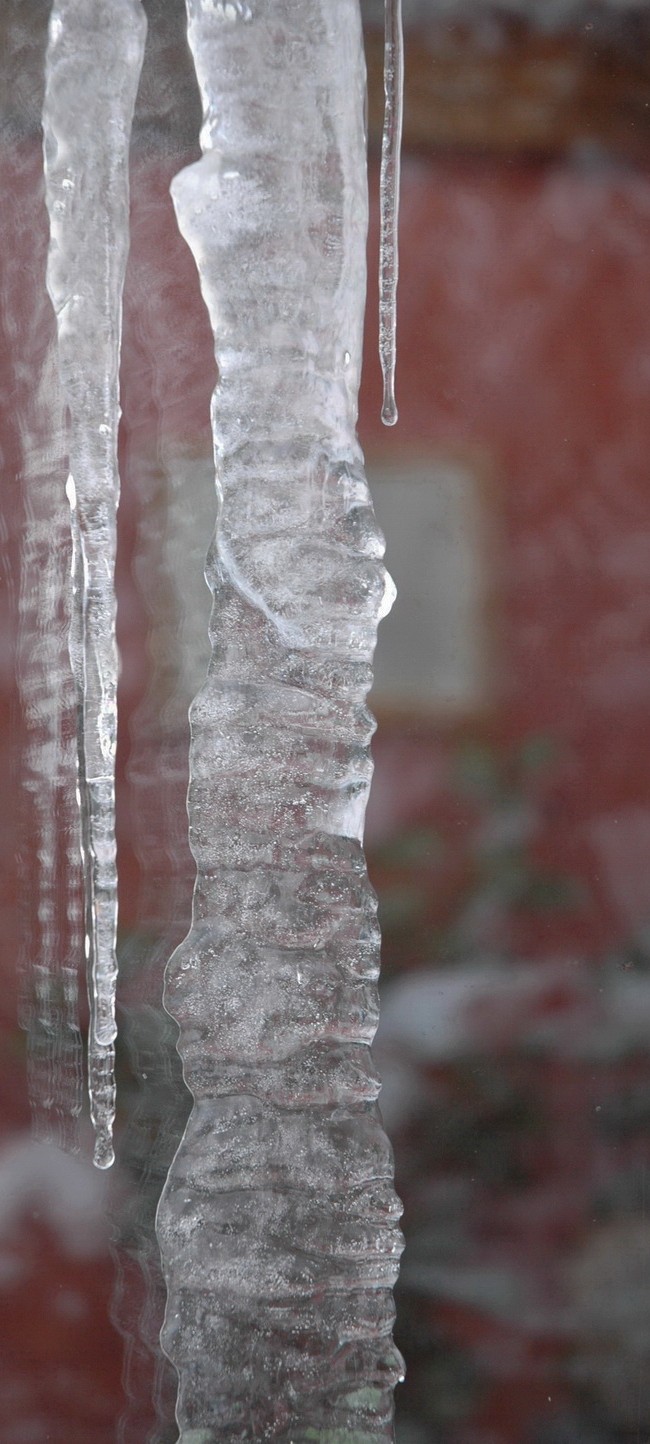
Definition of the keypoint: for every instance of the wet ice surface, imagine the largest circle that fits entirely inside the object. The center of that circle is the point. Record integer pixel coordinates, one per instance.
(93, 68)
(278, 1224)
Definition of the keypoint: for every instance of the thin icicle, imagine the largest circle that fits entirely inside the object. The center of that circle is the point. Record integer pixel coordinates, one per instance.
(50, 968)
(389, 203)
(93, 65)
(48, 1005)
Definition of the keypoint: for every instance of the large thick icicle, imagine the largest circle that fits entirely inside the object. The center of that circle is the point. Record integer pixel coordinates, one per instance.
(278, 1224)
(93, 67)
(389, 203)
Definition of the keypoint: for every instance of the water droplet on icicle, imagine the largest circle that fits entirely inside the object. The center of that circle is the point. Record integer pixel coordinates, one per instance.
(389, 203)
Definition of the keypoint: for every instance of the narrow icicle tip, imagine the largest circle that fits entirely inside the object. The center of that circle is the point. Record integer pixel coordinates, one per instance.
(104, 1155)
(389, 412)
(389, 202)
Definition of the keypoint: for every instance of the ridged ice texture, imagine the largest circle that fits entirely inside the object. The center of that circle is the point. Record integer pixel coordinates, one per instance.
(94, 58)
(278, 1224)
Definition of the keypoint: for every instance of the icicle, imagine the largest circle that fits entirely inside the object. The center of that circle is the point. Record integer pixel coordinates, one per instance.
(389, 203)
(170, 553)
(51, 934)
(34, 549)
(33, 435)
(93, 65)
(278, 1224)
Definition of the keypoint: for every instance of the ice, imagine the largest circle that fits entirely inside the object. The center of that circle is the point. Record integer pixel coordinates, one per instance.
(52, 924)
(35, 541)
(389, 203)
(93, 67)
(279, 1224)
(170, 552)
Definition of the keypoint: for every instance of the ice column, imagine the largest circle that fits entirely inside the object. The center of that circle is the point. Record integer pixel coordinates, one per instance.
(278, 1224)
(94, 59)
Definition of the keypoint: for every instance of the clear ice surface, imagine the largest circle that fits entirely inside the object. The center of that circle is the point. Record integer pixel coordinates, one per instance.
(279, 1223)
(389, 203)
(93, 65)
